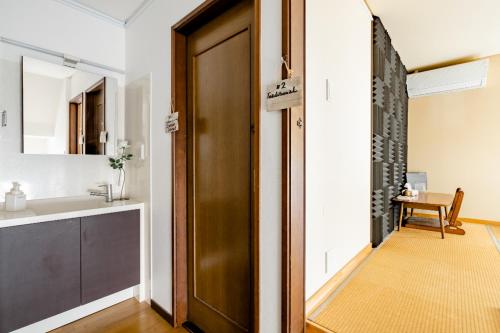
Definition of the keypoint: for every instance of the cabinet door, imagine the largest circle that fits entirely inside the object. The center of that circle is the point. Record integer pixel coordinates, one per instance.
(39, 272)
(110, 254)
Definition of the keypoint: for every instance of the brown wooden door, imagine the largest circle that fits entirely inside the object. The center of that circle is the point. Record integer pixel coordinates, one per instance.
(95, 119)
(75, 144)
(219, 172)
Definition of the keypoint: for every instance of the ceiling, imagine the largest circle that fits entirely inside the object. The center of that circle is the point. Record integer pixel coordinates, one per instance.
(120, 10)
(427, 33)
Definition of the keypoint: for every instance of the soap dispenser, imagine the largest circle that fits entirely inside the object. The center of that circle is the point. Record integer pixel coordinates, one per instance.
(15, 200)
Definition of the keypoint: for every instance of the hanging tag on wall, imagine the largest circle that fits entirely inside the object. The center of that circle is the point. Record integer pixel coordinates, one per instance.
(172, 123)
(284, 94)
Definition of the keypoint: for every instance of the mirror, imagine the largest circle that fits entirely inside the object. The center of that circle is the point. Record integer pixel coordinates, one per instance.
(66, 110)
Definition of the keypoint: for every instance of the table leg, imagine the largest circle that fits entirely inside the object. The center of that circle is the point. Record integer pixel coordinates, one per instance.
(446, 212)
(441, 222)
(401, 215)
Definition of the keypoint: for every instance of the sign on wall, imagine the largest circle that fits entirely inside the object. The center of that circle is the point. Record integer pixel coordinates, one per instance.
(284, 94)
(172, 123)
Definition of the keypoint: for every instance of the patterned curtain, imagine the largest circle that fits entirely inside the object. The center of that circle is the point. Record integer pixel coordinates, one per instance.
(389, 130)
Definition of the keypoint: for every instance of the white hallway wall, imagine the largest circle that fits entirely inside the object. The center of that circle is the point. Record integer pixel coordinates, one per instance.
(148, 51)
(338, 148)
(51, 25)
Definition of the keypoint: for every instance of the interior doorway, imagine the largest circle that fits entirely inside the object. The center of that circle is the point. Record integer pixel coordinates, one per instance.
(215, 90)
(95, 124)
(87, 121)
(76, 126)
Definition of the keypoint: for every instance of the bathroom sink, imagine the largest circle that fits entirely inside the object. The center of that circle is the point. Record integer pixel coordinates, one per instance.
(63, 205)
(67, 207)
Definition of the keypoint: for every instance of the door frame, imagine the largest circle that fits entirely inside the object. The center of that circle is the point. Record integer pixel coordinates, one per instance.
(293, 175)
(207, 11)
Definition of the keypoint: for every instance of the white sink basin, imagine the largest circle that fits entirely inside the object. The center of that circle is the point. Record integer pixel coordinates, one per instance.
(63, 205)
(63, 208)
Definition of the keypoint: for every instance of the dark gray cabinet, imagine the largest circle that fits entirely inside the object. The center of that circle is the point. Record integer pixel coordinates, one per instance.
(51, 267)
(110, 254)
(39, 272)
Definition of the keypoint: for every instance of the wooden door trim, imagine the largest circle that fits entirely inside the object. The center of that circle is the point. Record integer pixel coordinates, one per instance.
(198, 17)
(293, 176)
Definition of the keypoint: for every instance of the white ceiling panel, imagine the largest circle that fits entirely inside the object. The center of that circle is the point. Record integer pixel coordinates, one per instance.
(431, 32)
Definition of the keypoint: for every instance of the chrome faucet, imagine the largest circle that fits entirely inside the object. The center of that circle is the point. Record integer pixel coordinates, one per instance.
(108, 194)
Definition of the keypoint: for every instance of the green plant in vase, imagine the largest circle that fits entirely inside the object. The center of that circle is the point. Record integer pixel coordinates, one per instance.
(118, 163)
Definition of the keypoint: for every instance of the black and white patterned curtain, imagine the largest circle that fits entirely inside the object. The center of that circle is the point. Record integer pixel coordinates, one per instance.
(390, 132)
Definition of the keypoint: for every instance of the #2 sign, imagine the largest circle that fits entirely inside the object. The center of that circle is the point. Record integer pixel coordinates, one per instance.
(284, 94)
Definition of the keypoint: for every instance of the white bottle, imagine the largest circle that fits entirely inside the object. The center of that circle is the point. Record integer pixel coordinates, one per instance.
(15, 200)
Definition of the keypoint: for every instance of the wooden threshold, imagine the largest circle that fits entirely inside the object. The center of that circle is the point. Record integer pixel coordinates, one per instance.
(328, 288)
(312, 327)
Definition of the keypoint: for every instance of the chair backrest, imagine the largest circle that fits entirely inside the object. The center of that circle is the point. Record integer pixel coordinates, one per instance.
(455, 207)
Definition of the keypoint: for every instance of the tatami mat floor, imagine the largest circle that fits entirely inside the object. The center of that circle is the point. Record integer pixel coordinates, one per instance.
(418, 282)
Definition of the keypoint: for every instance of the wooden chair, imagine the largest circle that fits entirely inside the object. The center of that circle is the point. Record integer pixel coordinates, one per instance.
(451, 222)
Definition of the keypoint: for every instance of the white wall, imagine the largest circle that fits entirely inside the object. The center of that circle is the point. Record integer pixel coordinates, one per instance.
(137, 133)
(454, 138)
(80, 82)
(49, 24)
(52, 25)
(42, 95)
(148, 51)
(338, 135)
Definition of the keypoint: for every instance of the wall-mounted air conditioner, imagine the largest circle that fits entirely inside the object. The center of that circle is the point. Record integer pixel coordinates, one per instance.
(470, 75)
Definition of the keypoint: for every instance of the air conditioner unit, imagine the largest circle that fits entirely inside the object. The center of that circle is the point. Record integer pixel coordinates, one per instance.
(466, 76)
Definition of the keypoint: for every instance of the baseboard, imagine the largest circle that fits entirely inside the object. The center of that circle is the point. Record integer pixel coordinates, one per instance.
(191, 327)
(477, 221)
(464, 219)
(312, 327)
(329, 287)
(162, 312)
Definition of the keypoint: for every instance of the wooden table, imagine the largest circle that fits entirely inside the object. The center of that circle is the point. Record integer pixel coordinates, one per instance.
(427, 201)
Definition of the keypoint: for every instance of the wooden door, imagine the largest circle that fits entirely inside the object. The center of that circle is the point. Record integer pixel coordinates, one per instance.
(80, 149)
(75, 138)
(219, 172)
(95, 110)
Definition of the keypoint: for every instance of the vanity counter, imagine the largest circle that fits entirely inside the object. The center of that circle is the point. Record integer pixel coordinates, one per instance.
(65, 258)
(44, 210)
